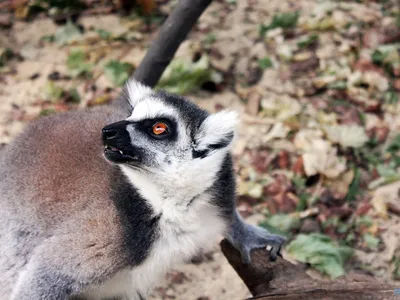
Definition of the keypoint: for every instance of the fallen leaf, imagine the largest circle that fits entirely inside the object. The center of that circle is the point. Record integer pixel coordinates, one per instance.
(77, 64)
(278, 131)
(117, 72)
(353, 136)
(280, 20)
(284, 222)
(53, 92)
(298, 167)
(67, 34)
(379, 205)
(183, 76)
(342, 183)
(281, 108)
(319, 156)
(321, 253)
(253, 103)
(299, 68)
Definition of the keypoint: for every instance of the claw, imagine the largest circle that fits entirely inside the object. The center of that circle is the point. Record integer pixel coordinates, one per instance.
(245, 238)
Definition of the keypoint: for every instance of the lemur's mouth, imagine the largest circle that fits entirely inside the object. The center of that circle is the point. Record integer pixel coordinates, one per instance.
(113, 149)
(117, 155)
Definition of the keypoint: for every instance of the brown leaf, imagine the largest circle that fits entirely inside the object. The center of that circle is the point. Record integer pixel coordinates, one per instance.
(283, 159)
(261, 159)
(391, 35)
(310, 226)
(372, 38)
(331, 199)
(378, 133)
(298, 167)
(253, 103)
(5, 20)
(343, 212)
(363, 208)
(177, 277)
(396, 84)
(348, 115)
(146, 5)
(301, 67)
(364, 65)
(282, 197)
(381, 133)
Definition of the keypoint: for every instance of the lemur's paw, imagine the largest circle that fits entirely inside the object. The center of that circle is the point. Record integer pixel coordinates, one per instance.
(258, 238)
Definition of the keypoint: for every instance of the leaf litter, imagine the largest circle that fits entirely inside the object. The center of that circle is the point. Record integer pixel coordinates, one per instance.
(320, 134)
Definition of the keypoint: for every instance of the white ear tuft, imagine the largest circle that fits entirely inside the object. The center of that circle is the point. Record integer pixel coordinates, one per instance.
(217, 131)
(137, 91)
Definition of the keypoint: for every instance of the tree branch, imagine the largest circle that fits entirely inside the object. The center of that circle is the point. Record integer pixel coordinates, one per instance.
(284, 280)
(172, 33)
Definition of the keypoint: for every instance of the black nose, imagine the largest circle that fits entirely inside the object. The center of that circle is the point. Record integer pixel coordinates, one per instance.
(111, 131)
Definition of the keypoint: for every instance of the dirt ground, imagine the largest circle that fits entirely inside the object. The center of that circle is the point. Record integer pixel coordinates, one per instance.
(295, 87)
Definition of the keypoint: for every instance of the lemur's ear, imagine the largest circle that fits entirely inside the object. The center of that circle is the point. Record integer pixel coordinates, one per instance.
(137, 91)
(216, 132)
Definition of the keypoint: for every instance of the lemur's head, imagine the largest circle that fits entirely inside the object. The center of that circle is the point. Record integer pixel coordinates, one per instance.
(166, 132)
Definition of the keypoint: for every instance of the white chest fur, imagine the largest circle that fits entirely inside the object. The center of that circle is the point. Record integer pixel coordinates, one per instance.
(189, 223)
(185, 229)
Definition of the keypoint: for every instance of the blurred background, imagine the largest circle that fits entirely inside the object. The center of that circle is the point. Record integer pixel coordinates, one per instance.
(317, 85)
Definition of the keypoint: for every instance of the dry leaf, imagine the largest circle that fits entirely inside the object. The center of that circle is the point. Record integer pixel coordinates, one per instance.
(319, 156)
(353, 136)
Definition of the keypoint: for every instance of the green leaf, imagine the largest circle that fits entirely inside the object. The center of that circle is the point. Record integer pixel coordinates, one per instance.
(183, 76)
(390, 97)
(396, 271)
(77, 65)
(338, 85)
(371, 241)
(394, 145)
(53, 92)
(364, 221)
(5, 55)
(265, 63)
(321, 253)
(354, 188)
(118, 72)
(282, 20)
(386, 171)
(67, 34)
(74, 96)
(284, 222)
(307, 41)
(378, 57)
(48, 38)
(210, 38)
(106, 35)
(47, 112)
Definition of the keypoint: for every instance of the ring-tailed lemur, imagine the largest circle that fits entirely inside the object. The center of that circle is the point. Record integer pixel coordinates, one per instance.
(100, 212)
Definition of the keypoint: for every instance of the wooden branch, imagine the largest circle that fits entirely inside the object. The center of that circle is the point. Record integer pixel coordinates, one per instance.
(284, 280)
(172, 33)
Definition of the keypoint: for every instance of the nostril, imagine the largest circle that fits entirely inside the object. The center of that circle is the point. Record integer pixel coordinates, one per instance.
(113, 130)
(109, 133)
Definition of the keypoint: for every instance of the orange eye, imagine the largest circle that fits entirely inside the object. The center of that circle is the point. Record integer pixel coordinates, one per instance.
(159, 128)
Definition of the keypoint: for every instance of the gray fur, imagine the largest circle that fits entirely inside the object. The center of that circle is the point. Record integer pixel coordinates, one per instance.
(73, 224)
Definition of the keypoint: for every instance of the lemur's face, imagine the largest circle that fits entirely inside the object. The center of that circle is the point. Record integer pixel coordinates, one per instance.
(166, 132)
